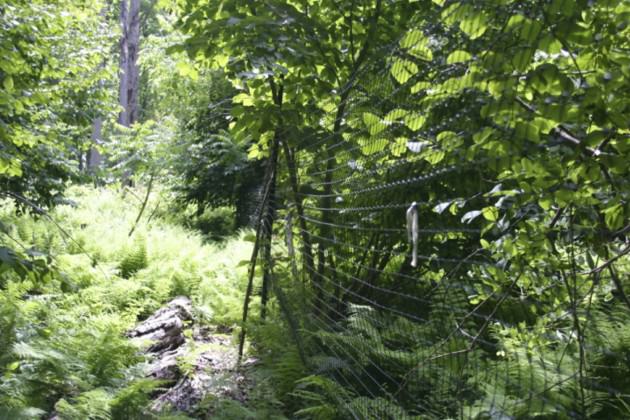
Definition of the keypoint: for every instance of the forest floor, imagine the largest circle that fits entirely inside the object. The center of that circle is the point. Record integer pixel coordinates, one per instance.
(126, 326)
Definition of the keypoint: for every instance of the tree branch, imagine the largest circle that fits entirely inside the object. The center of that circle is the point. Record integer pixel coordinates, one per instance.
(144, 205)
(623, 252)
(564, 133)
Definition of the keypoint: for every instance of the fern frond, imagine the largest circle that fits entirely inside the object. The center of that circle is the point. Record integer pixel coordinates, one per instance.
(135, 260)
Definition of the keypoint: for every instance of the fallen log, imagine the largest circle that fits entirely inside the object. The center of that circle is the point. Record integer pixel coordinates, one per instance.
(208, 356)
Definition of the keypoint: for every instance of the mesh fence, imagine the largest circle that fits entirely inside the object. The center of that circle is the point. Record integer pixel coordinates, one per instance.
(438, 238)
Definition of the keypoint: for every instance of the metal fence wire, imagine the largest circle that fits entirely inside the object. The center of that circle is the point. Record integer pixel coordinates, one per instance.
(439, 248)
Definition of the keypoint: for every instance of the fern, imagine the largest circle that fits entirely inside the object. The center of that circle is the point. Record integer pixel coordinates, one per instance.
(322, 398)
(378, 409)
(135, 260)
(131, 402)
(25, 413)
(224, 409)
(183, 283)
(62, 340)
(25, 228)
(91, 405)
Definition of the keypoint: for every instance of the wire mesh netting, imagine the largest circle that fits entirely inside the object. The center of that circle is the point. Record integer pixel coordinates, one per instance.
(440, 244)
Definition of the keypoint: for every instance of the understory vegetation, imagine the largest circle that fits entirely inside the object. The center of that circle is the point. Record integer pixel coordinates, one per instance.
(77, 283)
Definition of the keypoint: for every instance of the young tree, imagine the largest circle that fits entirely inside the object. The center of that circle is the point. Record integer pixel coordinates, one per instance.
(51, 68)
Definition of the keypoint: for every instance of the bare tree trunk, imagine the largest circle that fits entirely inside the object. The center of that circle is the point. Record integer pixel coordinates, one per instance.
(129, 71)
(123, 117)
(133, 72)
(94, 158)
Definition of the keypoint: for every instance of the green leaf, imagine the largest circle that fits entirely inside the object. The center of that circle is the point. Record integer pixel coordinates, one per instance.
(420, 86)
(449, 140)
(458, 56)
(399, 146)
(422, 52)
(374, 146)
(186, 69)
(483, 135)
(243, 98)
(434, 156)
(415, 121)
(10, 167)
(396, 114)
(549, 44)
(614, 216)
(254, 152)
(8, 83)
(221, 60)
(373, 123)
(565, 7)
(411, 39)
(521, 59)
(403, 70)
(530, 30)
(416, 44)
(250, 237)
(474, 25)
(528, 131)
(490, 213)
(243, 263)
(456, 12)
(543, 125)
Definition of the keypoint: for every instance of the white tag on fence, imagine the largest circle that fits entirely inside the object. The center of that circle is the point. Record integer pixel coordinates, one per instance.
(412, 231)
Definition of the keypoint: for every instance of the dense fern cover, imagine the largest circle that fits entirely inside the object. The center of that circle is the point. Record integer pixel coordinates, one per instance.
(63, 326)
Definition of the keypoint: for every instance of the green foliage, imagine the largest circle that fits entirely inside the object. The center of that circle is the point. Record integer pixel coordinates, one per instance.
(135, 258)
(54, 62)
(141, 150)
(323, 398)
(509, 120)
(218, 223)
(186, 114)
(224, 409)
(93, 404)
(63, 316)
(131, 402)
(378, 408)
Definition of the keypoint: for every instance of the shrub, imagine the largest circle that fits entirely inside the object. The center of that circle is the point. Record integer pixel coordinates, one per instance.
(217, 223)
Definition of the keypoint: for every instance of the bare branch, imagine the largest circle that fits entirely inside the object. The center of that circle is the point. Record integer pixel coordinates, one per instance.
(563, 132)
(623, 252)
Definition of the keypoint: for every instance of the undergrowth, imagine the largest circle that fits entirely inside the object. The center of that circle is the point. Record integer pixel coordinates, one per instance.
(63, 348)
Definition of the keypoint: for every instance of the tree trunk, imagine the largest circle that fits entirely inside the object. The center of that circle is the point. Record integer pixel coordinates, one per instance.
(129, 71)
(133, 46)
(123, 117)
(94, 158)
